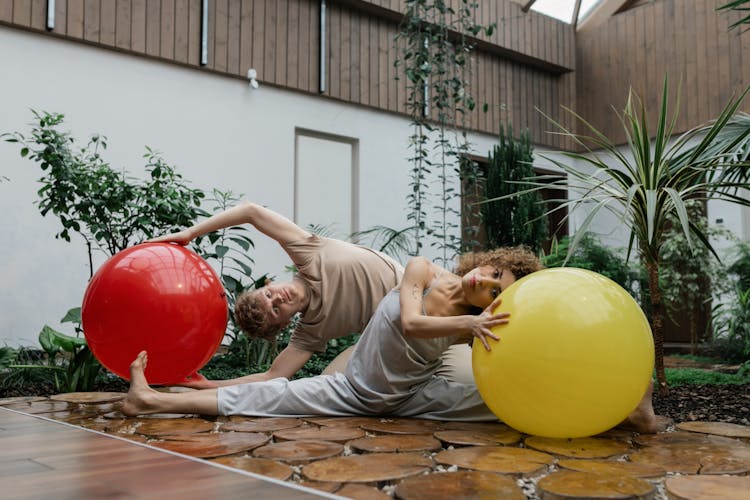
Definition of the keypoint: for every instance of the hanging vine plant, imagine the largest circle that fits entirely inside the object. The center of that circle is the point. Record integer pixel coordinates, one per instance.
(437, 44)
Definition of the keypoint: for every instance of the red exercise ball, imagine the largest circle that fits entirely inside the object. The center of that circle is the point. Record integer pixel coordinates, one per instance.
(157, 297)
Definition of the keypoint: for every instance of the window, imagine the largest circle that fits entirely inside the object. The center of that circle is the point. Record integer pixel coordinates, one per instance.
(326, 182)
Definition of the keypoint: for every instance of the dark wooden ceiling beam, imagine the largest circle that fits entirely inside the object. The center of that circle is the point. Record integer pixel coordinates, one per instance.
(576, 11)
(528, 5)
(601, 13)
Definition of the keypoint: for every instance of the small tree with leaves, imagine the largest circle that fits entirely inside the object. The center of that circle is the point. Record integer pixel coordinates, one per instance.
(107, 208)
(512, 220)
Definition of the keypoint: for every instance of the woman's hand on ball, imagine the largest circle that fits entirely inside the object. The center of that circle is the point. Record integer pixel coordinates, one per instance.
(182, 238)
(484, 323)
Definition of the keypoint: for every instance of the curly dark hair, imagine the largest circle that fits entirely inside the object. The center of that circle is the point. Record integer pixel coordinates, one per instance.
(252, 318)
(518, 260)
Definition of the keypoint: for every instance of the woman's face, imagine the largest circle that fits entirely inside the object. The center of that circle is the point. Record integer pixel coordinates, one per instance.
(483, 284)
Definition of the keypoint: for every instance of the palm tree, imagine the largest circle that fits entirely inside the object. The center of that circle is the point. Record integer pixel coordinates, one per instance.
(644, 183)
(741, 6)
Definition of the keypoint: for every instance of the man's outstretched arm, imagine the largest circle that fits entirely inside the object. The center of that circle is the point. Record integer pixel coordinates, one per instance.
(268, 222)
(287, 363)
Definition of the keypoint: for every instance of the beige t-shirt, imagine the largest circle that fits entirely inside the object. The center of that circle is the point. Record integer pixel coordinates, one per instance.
(346, 283)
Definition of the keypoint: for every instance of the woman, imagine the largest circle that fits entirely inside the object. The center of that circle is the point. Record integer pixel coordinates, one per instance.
(392, 370)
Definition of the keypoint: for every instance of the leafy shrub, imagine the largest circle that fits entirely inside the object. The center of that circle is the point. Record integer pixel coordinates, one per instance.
(592, 255)
(740, 266)
(246, 356)
(320, 360)
(731, 322)
(109, 209)
(689, 275)
(695, 376)
(71, 365)
(730, 318)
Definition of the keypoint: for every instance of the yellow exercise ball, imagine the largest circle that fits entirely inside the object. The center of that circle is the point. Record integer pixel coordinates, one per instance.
(574, 360)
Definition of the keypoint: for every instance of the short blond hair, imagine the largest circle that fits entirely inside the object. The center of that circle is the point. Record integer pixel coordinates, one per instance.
(252, 318)
(518, 260)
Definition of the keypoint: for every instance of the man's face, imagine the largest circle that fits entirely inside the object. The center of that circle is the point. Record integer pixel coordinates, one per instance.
(280, 301)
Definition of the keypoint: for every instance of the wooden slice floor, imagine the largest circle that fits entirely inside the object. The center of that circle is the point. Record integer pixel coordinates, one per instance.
(43, 459)
(355, 457)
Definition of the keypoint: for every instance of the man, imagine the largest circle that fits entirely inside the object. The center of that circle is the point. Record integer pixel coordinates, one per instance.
(336, 290)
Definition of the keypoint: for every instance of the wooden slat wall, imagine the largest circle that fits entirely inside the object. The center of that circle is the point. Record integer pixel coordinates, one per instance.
(530, 28)
(522, 66)
(168, 29)
(686, 39)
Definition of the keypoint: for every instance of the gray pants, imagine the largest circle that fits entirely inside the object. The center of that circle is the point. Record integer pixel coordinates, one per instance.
(387, 374)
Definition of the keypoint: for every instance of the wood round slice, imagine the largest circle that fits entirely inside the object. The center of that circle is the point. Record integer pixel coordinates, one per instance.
(328, 487)
(717, 428)
(92, 410)
(114, 415)
(390, 443)
(617, 434)
(298, 452)
(74, 418)
(39, 407)
(113, 426)
(717, 465)
(612, 467)
(262, 466)
(475, 426)
(213, 445)
(100, 408)
(336, 434)
(708, 487)
(173, 426)
(463, 484)
(564, 485)
(502, 459)
(368, 468)
(694, 458)
(262, 424)
(579, 447)
(682, 437)
(341, 421)
(403, 426)
(361, 492)
(480, 438)
(98, 424)
(89, 397)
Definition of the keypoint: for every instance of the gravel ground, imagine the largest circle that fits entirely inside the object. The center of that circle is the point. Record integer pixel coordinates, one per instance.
(715, 403)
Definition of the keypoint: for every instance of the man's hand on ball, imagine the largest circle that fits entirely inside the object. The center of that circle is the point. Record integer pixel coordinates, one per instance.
(182, 238)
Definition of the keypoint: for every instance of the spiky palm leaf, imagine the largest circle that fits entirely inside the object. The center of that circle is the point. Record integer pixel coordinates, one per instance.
(651, 179)
(742, 6)
(398, 243)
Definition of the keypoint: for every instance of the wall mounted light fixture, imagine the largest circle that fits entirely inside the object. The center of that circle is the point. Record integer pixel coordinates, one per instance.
(252, 75)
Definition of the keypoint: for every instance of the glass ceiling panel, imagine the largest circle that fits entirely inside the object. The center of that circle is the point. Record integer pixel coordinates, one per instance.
(563, 9)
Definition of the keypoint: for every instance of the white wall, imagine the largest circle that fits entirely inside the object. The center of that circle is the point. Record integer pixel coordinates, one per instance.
(217, 130)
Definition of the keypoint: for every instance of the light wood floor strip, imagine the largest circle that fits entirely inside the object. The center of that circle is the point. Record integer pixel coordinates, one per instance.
(44, 459)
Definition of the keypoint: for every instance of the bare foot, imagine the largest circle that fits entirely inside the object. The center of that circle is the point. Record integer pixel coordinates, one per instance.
(643, 419)
(140, 398)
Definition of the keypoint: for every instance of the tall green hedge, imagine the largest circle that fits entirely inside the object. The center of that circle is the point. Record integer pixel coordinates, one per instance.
(518, 220)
